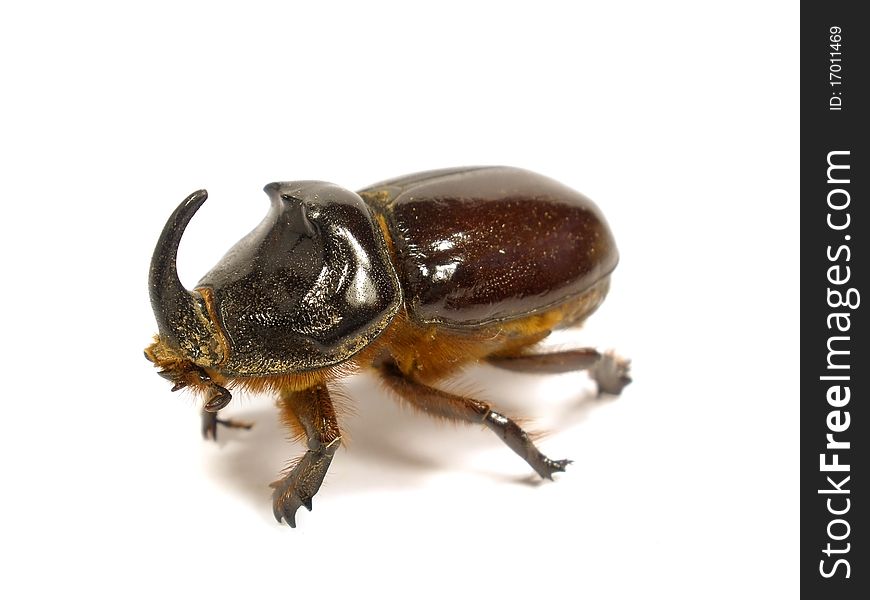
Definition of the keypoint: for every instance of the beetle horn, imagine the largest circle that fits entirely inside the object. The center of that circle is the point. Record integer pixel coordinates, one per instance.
(181, 314)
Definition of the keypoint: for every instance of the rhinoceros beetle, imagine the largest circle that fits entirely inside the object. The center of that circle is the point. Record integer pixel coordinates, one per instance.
(413, 278)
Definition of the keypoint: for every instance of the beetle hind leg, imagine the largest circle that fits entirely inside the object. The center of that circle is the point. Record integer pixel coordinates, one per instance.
(453, 407)
(610, 371)
(309, 412)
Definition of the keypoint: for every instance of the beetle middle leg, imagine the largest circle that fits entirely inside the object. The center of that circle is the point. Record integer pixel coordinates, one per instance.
(608, 370)
(311, 411)
(461, 408)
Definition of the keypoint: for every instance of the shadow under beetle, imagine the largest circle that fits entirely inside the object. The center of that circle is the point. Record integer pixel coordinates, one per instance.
(414, 278)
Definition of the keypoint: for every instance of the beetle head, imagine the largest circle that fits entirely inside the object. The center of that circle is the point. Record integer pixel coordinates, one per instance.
(182, 316)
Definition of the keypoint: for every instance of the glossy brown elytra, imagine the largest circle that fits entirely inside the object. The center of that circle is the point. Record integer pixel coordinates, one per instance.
(413, 278)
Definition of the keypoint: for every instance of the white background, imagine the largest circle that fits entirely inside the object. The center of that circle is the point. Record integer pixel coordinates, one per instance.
(680, 119)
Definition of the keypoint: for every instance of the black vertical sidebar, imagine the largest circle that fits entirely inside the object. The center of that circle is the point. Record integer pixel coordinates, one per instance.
(834, 369)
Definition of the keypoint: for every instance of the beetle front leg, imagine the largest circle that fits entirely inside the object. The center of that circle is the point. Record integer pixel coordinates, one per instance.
(217, 397)
(609, 370)
(443, 404)
(210, 422)
(311, 411)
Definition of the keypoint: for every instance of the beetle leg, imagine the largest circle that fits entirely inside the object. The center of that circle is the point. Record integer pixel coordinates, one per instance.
(311, 410)
(460, 408)
(210, 422)
(609, 370)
